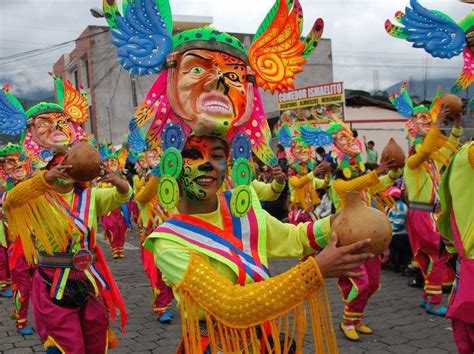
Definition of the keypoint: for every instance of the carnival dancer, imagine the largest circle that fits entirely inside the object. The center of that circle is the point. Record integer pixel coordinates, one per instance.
(5, 281)
(429, 151)
(356, 291)
(151, 214)
(115, 222)
(303, 191)
(206, 92)
(203, 277)
(456, 227)
(303, 181)
(14, 168)
(73, 291)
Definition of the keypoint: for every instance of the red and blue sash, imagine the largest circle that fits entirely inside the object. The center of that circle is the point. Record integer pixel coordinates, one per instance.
(240, 244)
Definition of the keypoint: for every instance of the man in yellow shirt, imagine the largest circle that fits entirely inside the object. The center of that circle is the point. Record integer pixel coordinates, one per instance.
(203, 250)
(429, 151)
(456, 225)
(72, 272)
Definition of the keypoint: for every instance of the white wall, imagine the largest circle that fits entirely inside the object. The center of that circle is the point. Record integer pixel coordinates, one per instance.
(365, 121)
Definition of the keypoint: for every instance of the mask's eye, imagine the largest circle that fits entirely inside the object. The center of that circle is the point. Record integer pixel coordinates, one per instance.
(197, 70)
(232, 77)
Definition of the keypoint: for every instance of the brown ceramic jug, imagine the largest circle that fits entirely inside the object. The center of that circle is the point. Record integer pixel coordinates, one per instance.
(358, 222)
(85, 161)
(393, 151)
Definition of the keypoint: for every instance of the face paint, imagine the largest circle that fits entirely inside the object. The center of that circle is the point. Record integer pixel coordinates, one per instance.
(51, 130)
(209, 90)
(204, 167)
(15, 168)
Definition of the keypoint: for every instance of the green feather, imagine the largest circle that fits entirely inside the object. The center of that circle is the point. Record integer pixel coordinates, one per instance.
(111, 12)
(59, 86)
(443, 16)
(125, 5)
(165, 13)
(13, 100)
(267, 20)
(467, 22)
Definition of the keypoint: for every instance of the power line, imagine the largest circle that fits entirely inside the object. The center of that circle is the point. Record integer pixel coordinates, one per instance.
(33, 52)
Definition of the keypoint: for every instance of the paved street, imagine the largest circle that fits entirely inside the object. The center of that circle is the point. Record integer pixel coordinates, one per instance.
(400, 326)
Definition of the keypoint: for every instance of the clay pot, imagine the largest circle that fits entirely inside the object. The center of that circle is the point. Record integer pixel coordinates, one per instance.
(358, 222)
(85, 161)
(452, 102)
(393, 151)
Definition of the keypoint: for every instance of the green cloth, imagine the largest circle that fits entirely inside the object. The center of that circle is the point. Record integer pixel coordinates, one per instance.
(457, 195)
(372, 156)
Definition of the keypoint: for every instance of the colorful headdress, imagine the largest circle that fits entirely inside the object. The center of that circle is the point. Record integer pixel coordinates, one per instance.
(72, 104)
(308, 135)
(12, 131)
(143, 37)
(404, 105)
(108, 152)
(438, 34)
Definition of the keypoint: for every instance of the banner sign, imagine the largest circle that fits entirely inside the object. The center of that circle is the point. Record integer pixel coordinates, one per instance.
(312, 103)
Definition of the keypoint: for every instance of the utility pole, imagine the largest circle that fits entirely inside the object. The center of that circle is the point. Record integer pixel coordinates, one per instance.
(134, 91)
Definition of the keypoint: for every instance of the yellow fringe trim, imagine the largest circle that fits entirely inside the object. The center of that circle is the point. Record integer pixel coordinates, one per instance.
(44, 219)
(248, 338)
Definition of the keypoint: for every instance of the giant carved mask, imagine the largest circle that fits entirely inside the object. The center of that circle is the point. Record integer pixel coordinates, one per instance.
(208, 81)
(51, 130)
(422, 122)
(345, 141)
(209, 90)
(52, 127)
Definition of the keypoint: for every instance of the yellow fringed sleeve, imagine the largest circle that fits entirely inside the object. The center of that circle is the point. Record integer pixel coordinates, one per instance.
(235, 315)
(430, 149)
(146, 194)
(300, 181)
(32, 210)
(267, 192)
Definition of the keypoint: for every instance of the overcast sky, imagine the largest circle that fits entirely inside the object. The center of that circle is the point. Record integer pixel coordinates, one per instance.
(356, 28)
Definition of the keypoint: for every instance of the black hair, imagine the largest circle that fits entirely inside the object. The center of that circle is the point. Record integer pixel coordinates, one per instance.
(371, 143)
(320, 150)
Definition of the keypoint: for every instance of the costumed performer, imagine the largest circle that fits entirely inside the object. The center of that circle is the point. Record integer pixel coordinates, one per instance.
(213, 250)
(456, 227)
(356, 291)
(151, 214)
(73, 291)
(14, 168)
(115, 221)
(303, 183)
(429, 152)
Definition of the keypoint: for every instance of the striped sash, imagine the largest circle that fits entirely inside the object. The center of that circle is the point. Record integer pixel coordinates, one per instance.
(240, 244)
(80, 212)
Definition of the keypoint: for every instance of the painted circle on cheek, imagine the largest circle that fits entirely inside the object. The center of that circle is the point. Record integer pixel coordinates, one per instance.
(241, 201)
(168, 192)
(171, 163)
(241, 172)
